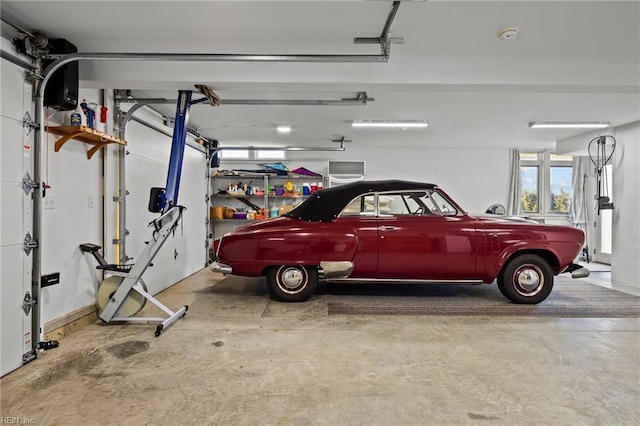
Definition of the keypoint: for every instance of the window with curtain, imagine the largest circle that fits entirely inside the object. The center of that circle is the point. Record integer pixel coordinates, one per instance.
(545, 182)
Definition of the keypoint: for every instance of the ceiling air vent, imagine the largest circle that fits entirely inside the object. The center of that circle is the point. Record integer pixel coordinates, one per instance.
(346, 168)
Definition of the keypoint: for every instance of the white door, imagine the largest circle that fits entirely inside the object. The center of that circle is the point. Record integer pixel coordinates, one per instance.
(15, 217)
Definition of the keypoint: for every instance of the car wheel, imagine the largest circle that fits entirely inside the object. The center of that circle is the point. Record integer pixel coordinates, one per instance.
(526, 279)
(500, 283)
(292, 283)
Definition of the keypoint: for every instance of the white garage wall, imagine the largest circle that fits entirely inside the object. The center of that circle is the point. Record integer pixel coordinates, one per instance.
(146, 167)
(475, 178)
(625, 256)
(74, 180)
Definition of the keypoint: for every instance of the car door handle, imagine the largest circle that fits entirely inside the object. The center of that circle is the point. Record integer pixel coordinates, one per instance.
(386, 228)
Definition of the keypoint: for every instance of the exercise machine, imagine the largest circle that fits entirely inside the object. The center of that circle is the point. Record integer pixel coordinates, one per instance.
(124, 293)
(601, 149)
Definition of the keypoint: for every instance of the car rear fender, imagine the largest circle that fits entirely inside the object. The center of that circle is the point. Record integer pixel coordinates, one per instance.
(308, 247)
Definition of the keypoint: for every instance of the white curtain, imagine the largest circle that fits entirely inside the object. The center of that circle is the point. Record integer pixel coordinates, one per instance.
(513, 205)
(578, 213)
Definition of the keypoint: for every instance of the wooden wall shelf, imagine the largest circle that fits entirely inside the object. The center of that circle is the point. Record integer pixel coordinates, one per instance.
(83, 134)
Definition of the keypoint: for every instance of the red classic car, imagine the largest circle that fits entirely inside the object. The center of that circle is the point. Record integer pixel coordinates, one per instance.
(397, 231)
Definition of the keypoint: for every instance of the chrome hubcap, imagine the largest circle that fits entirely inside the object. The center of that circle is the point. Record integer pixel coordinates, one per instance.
(528, 280)
(292, 278)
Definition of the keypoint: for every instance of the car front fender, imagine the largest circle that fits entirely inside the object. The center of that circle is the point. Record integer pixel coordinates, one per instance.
(545, 251)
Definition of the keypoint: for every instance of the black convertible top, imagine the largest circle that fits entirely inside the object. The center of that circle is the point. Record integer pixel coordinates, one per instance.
(326, 205)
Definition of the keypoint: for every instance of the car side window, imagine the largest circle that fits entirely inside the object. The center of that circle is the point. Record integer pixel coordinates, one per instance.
(360, 206)
(443, 205)
(430, 205)
(392, 204)
(401, 204)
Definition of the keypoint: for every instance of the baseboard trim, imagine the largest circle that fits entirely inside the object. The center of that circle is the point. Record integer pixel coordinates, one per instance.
(625, 288)
(63, 326)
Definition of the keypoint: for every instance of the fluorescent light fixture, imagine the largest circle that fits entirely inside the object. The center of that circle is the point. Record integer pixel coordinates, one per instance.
(390, 123)
(568, 125)
(284, 129)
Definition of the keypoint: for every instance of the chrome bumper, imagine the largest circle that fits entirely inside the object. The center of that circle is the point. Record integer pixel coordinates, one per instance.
(578, 271)
(221, 267)
(339, 269)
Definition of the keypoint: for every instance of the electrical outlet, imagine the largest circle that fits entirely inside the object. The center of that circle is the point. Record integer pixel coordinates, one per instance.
(49, 202)
(90, 202)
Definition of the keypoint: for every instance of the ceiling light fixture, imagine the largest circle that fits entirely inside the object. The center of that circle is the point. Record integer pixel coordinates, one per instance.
(568, 125)
(284, 129)
(508, 33)
(390, 123)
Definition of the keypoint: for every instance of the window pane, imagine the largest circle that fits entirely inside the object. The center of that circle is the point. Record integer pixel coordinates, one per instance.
(560, 189)
(262, 154)
(445, 207)
(392, 204)
(561, 157)
(606, 228)
(529, 156)
(400, 204)
(234, 154)
(360, 206)
(529, 183)
(353, 208)
(431, 206)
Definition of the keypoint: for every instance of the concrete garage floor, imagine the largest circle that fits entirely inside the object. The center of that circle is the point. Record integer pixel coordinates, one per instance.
(239, 359)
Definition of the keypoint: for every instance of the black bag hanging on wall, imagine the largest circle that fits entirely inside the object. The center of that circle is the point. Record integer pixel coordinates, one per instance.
(61, 92)
(214, 153)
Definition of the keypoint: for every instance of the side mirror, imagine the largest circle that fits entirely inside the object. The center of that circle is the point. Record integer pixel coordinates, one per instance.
(496, 209)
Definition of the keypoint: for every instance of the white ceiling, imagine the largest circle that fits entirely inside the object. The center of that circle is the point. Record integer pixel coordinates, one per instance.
(575, 60)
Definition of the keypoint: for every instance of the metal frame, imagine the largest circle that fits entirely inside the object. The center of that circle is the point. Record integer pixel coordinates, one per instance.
(177, 148)
(165, 225)
(360, 99)
(384, 40)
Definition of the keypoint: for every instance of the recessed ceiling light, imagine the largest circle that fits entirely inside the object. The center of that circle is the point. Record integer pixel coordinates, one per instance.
(508, 33)
(284, 129)
(568, 125)
(390, 123)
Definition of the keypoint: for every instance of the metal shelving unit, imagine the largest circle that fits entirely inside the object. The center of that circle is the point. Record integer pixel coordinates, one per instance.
(267, 200)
